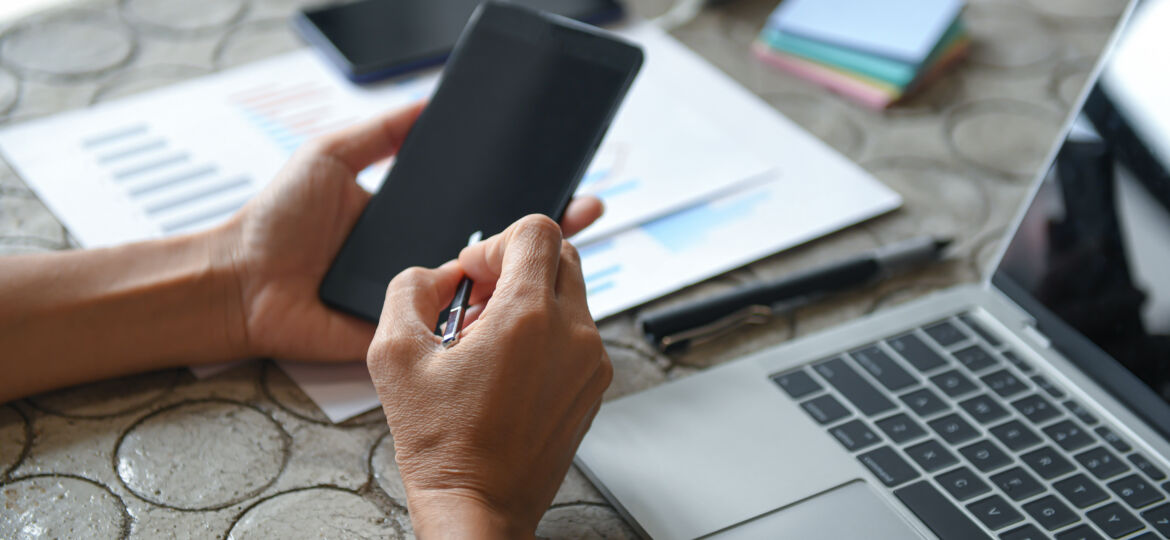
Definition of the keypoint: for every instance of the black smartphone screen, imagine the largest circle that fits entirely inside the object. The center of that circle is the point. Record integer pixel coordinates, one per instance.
(518, 114)
(373, 39)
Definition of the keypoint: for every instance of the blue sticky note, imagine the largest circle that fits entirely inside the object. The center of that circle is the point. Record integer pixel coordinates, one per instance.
(902, 30)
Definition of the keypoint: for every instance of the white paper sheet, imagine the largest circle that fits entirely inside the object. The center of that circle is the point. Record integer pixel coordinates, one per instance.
(183, 158)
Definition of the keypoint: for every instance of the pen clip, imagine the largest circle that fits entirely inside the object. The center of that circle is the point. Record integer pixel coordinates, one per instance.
(751, 315)
(754, 314)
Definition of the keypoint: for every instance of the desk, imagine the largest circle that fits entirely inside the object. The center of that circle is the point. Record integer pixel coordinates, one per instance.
(247, 454)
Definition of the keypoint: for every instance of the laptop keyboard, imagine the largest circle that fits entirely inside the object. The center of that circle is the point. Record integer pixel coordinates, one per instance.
(972, 439)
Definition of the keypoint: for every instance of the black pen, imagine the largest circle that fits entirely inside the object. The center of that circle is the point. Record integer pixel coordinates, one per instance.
(459, 304)
(677, 327)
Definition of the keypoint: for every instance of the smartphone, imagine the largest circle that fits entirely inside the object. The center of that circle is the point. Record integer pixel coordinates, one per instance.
(370, 40)
(520, 109)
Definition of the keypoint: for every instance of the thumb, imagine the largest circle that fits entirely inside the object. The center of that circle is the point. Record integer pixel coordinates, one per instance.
(414, 300)
(523, 258)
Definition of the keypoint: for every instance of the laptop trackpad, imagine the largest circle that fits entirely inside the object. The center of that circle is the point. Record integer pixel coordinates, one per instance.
(850, 511)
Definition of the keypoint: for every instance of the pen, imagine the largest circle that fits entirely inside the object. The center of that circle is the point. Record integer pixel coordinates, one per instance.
(459, 304)
(677, 327)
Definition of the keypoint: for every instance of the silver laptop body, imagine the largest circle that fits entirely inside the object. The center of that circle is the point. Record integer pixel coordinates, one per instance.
(847, 433)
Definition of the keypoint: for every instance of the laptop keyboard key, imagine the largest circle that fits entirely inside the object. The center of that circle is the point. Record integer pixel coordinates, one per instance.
(1102, 463)
(953, 383)
(931, 456)
(1027, 532)
(963, 484)
(1068, 435)
(995, 512)
(1047, 462)
(1145, 466)
(855, 435)
(924, 402)
(942, 517)
(1135, 491)
(985, 455)
(1003, 383)
(1047, 386)
(1114, 440)
(1035, 408)
(901, 428)
(888, 466)
(1080, 412)
(1081, 491)
(1159, 518)
(855, 389)
(1050, 513)
(984, 409)
(1015, 435)
(1080, 532)
(1115, 520)
(797, 383)
(919, 354)
(825, 409)
(1017, 483)
(953, 429)
(975, 358)
(971, 323)
(1020, 364)
(883, 368)
(944, 333)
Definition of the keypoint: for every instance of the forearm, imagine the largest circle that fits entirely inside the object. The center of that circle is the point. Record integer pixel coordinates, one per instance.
(73, 317)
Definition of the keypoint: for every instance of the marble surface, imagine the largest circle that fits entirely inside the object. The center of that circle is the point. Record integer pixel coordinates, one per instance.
(247, 455)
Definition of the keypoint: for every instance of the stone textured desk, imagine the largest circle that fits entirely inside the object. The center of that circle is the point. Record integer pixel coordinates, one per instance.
(246, 454)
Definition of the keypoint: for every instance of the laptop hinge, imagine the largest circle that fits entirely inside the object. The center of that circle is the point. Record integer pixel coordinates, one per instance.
(1027, 323)
(1035, 336)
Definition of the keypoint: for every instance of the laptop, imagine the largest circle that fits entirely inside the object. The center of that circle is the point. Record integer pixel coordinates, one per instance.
(1032, 405)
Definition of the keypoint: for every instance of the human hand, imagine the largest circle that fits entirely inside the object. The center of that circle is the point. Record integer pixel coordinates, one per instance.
(283, 241)
(485, 431)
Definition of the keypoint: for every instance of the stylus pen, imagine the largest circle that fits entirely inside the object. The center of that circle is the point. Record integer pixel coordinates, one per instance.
(459, 304)
(677, 327)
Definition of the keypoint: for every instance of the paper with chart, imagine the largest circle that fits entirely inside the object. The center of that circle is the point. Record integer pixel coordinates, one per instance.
(184, 158)
(699, 175)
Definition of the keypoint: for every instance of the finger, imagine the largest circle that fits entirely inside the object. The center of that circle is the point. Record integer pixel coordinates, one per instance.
(471, 315)
(361, 145)
(524, 257)
(570, 280)
(581, 213)
(482, 291)
(414, 300)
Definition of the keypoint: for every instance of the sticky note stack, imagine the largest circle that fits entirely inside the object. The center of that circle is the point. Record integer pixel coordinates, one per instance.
(874, 52)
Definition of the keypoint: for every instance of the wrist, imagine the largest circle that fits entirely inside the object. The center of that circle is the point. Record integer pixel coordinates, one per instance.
(441, 514)
(227, 275)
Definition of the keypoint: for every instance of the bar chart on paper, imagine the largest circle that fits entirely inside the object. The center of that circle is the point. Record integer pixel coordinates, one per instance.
(173, 191)
(185, 158)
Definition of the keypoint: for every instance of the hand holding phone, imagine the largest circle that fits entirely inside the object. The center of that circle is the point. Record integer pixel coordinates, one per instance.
(520, 109)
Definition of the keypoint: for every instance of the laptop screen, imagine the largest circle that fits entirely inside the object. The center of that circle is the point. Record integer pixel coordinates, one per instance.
(1091, 256)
